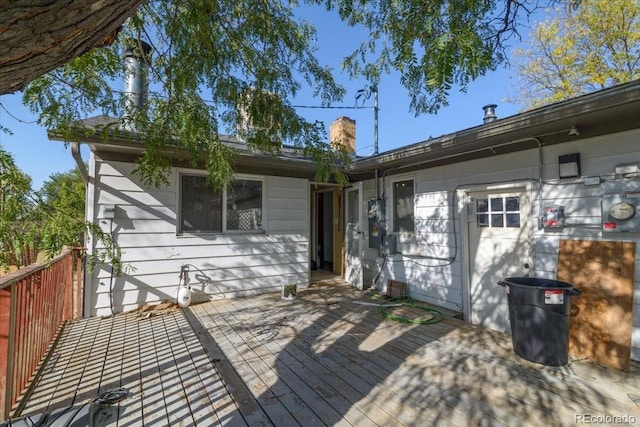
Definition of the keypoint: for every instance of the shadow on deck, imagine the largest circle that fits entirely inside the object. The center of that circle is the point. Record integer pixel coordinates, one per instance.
(326, 358)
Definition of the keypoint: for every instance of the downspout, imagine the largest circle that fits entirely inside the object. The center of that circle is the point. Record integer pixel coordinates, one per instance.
(541, 211)
(376, 178)
(77, 156)
(374, 89)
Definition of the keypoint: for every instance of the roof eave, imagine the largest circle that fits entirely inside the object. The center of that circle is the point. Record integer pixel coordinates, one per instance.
(127, 144)
(595, 114)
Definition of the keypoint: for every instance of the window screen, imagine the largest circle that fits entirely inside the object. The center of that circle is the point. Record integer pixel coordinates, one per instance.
(244, 205)
(403, 206)
(201, 205)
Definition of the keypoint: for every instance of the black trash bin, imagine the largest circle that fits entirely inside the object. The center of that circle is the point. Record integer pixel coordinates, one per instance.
(539, 312)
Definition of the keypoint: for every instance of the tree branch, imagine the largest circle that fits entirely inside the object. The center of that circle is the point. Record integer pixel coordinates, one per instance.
(39, 36)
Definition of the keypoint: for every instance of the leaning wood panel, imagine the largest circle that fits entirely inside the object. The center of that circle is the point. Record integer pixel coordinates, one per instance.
(601, 322)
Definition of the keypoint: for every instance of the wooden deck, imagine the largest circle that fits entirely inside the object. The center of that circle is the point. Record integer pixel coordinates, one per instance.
(322, 359)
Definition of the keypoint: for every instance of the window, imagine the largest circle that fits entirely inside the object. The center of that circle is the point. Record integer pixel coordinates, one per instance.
(201, 207)
(403, 212)
(498, 212)
(244, 205)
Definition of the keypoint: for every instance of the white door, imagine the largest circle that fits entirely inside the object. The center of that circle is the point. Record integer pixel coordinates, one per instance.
(499, 247)
(353, 236)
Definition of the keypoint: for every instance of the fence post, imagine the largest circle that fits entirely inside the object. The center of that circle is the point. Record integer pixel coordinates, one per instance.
(5, 315)
(10, 340)
(68, 289)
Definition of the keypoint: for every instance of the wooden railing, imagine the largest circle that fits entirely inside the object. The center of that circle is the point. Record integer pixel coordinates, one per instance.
(35, 301)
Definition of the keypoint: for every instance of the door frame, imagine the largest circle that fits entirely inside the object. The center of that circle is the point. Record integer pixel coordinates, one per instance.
(336, 191)
(462, 195)
(357, 186)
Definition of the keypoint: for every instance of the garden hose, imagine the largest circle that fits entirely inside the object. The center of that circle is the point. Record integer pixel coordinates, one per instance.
(408, 302)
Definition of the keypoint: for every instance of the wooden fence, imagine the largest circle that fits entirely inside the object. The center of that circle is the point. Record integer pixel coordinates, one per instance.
(35, 301)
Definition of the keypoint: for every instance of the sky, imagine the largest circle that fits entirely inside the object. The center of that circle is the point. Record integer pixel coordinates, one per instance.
(39, 158)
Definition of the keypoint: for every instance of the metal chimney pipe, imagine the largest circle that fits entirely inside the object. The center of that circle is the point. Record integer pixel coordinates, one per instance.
(135, 78)
(490, 113)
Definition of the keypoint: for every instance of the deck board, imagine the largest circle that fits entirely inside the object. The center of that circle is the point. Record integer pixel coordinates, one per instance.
(332, 387)
(130, 378)
(156, 360)
(245, 365)
(280, 369)
(172, 380)
(328, 387)
(322, 359)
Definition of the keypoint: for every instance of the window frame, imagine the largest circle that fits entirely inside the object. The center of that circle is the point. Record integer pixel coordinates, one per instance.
(503, 211)
(394, 221)
(199, 173)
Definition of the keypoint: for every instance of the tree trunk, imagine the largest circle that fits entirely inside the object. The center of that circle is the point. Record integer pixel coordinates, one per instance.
(37, 36)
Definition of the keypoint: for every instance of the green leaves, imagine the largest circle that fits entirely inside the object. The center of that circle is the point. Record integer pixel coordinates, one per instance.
(581, 50)
(435, 45)
(60, 212)
(16, 212)
(47, 221)
(207, 55)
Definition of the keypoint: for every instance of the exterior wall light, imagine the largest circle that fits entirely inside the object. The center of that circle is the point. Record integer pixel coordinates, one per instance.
(569, 165)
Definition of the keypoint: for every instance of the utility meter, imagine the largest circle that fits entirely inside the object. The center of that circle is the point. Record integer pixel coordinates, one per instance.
(620, 212)
(554, 216)
(375, 216)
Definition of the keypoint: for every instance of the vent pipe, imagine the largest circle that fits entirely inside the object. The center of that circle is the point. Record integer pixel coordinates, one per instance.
(135, 54)
(490, 113)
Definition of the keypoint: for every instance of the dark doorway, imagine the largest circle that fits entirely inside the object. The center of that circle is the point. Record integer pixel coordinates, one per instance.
(324, 230)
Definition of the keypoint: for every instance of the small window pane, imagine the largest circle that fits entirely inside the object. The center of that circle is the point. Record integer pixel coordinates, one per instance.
(496, 204)
(403, 206)
(513, 220)
(482, 220)
(497, 220)
(512, 204)
(244, 205)
(482, 205)
(201, 206)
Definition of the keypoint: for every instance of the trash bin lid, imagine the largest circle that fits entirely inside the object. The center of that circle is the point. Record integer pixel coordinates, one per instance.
(539, 283)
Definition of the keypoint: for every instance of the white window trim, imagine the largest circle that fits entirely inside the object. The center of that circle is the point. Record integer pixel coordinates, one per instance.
(391, 214)
(199, 172)
(503, 212)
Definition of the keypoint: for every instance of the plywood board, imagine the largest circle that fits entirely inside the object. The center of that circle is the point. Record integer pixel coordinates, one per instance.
(601, 318)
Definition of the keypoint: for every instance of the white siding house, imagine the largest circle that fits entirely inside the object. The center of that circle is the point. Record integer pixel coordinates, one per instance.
(505, 171)
(158, 235)
(457, 213)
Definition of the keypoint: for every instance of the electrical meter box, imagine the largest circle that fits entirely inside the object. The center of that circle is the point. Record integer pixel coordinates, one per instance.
(553, 216)
(375, 216)
(621, 212)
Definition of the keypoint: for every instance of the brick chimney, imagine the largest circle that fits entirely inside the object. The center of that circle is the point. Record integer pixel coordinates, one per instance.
(343, 134)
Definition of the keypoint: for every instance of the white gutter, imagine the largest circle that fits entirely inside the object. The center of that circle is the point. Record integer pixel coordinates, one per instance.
(431, 149)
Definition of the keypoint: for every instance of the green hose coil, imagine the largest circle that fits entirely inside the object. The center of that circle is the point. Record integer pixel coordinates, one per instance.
(408, 302)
